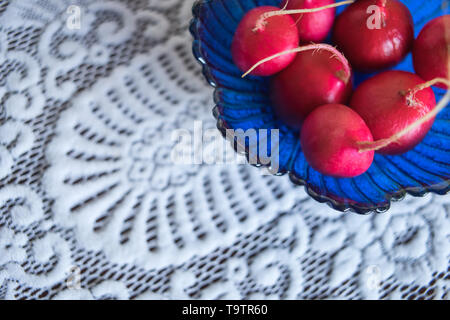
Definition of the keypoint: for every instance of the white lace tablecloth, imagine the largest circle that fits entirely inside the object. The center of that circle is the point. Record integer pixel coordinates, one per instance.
(91, 206)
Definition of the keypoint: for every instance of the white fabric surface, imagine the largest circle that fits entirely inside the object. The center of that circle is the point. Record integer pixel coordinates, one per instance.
(91, 207)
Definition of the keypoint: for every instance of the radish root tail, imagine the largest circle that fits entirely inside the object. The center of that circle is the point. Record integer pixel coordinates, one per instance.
(261, 21)
(319, 46)
(260, 24)
(410, 95)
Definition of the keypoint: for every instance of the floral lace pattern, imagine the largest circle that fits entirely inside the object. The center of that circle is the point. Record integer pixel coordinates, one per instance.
(91, 207)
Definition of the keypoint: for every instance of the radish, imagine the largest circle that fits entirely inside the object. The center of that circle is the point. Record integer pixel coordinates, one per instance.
(265, 31)
(374, 34)
(254, 41)
(336, 141)
(314, 78)
(330, 140)
(389, 103)
(312, 26)
(431, 53)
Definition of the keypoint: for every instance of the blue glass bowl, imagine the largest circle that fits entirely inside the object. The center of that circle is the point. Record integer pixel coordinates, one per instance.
(244, 104)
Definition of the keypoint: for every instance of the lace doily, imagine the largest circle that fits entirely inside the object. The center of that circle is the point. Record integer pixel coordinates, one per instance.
(91, 207)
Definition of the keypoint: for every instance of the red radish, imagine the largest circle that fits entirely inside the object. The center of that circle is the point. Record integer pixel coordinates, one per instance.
(389, 103)
(313, 79)
(252, 43)
(312, 26)
(431, 53)
(329, 140)
(374, 34)
(336, 140)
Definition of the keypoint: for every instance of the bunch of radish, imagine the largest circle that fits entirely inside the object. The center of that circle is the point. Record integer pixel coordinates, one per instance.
(311, 85)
